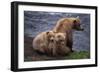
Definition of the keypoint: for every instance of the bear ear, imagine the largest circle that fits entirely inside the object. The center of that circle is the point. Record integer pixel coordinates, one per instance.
(55, 31)
(47, 32)
(77, 17)
(74, 21)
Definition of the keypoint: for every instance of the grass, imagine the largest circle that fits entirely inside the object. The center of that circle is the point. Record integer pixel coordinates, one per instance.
(78, 55)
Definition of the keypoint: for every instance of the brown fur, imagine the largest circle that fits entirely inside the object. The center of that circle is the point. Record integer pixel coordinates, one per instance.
(61, 48)
(66, 25)
(47, 42)
(41, 41)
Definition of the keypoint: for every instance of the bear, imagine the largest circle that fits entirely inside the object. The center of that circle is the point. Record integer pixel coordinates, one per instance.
(61, 48)
(41, 41)
(67, 25)
(51, 45)
(51, 42)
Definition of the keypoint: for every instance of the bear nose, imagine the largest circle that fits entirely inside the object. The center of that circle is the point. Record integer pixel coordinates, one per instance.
(52, 40)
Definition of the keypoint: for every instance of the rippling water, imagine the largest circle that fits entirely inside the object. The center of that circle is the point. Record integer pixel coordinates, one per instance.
(36, 22)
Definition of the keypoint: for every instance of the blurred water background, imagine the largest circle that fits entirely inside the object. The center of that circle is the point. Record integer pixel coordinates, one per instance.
(36, 22)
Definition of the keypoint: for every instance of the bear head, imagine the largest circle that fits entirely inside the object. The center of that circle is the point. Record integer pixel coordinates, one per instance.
(50, 36)
(60, 38)
(76, 24)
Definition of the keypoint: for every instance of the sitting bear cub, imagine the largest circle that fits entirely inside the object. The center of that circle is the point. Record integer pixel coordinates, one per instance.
(60, 44)
(41, 42)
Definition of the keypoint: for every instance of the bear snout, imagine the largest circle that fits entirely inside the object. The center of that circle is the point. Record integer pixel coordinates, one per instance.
(51, 40)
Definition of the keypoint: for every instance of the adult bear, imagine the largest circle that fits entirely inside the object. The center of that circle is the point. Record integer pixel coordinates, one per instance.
(66, 25)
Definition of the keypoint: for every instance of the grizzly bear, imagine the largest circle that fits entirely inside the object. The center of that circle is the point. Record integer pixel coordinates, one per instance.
(41, 42)
(61, 48)
(66, 25)
(51, 46)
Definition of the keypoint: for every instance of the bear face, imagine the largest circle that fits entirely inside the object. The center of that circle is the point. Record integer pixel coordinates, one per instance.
(60, 38)
(50, 36)
(77, 25)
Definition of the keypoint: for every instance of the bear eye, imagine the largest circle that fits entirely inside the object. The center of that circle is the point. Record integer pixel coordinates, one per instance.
(52, 40)
(61, 40)
(59, 36)
(74, 21)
